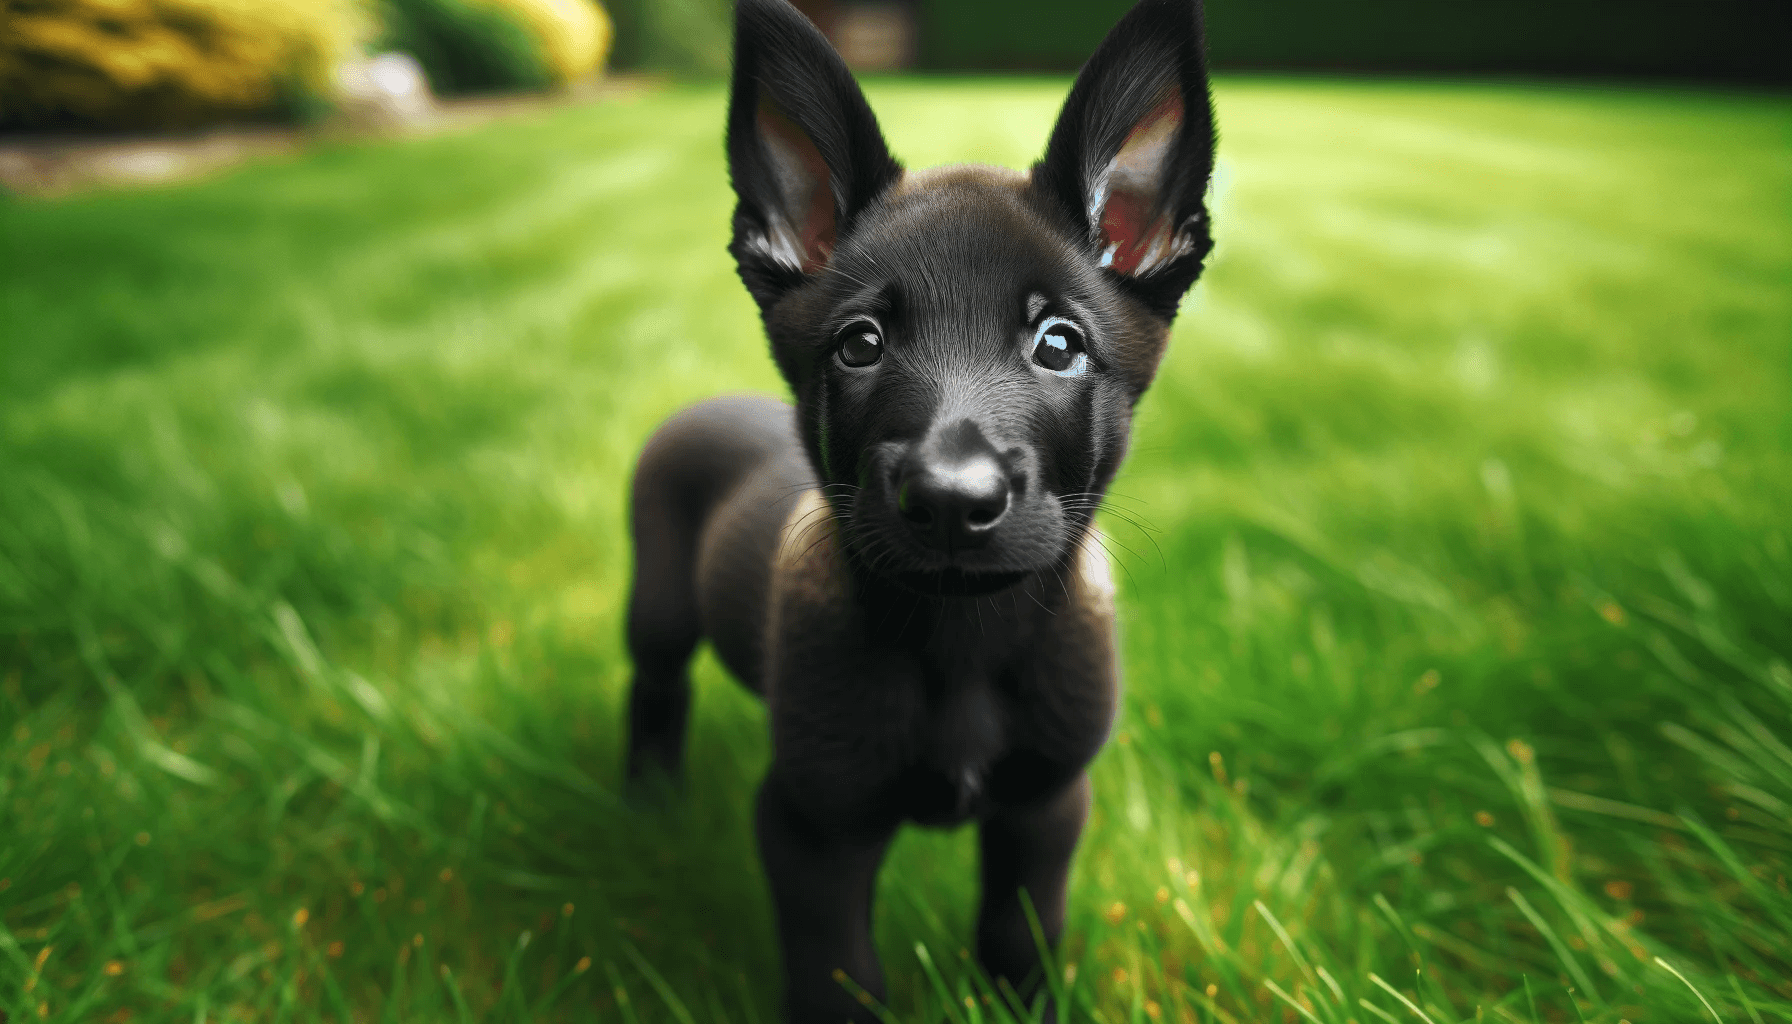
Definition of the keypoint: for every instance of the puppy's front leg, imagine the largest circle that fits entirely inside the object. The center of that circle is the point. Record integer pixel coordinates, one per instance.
(822, 884)
(1027, 848)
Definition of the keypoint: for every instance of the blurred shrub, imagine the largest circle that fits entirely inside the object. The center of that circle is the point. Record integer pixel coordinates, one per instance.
(683, 37)
(575, 35)
(473, 45)
(163, 62)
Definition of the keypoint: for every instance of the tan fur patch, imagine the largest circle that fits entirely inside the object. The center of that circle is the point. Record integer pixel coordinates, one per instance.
(808, 563)
(1094, 587)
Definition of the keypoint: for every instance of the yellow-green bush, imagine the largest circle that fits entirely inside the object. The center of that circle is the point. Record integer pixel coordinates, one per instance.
(152, 62)
(575, 34)
(169, 62)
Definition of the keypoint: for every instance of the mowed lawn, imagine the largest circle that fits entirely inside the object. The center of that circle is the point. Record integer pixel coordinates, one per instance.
(1455, 566)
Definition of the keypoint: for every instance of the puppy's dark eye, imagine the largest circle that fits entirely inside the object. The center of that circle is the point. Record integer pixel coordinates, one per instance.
(861, 345)
(1058, 346)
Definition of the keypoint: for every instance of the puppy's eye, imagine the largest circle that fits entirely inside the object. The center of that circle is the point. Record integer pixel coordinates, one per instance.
(861, 345)
(1058, 346)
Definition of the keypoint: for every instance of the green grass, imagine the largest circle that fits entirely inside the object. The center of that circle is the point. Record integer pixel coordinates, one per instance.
(1456, 630)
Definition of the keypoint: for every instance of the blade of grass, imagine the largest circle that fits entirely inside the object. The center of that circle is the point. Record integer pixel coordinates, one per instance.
(1409, 1004)
(623, 1005)
(949, 1004)
(1286, 998)
(1555, 941)
(865, 998)
(655, 979)
(1671, 969)
(461, 1009)
(1742, 997)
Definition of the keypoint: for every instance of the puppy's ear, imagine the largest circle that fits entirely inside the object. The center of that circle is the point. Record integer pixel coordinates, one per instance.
(804, 150)
(1132, 152)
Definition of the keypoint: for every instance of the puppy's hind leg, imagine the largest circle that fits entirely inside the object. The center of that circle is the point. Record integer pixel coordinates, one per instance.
(663, 629)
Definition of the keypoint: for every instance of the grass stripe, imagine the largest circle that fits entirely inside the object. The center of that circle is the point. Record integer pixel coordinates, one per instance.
(314, 558)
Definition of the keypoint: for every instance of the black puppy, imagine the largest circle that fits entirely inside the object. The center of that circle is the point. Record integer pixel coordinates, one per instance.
(904, 564)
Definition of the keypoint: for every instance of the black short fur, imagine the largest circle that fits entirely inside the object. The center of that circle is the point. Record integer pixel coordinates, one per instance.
(904, 564)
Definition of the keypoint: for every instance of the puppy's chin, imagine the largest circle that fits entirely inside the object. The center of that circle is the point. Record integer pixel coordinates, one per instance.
(932, 574)
(954, 582)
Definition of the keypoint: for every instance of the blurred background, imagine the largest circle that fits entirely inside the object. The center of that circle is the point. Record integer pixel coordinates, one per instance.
(135, 63)
(1452, 546)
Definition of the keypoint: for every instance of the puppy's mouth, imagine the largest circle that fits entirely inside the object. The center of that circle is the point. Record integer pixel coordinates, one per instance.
(885, 548)
(928, 573)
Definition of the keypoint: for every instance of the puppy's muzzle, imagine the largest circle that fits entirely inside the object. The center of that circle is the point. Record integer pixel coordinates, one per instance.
(953, 502)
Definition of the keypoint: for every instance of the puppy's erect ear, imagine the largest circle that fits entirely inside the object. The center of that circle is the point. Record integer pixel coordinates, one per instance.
(804, 150)
(1132, 152)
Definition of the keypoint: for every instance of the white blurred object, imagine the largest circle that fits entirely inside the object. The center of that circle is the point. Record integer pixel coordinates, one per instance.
(383, 91)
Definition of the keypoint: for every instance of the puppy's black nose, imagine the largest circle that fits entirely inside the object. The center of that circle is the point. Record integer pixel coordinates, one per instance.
(954, 504)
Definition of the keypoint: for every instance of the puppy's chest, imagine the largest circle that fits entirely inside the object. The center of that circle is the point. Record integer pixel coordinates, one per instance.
(989, 728)
(938, 713)
(965, 724)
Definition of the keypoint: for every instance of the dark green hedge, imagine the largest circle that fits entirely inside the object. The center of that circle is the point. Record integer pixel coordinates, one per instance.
(466, 47)
(684, 37)
(1719, 39)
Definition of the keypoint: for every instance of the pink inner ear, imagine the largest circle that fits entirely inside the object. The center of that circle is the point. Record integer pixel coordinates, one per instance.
(818, 229)
(803, 183)
(1137, 233)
